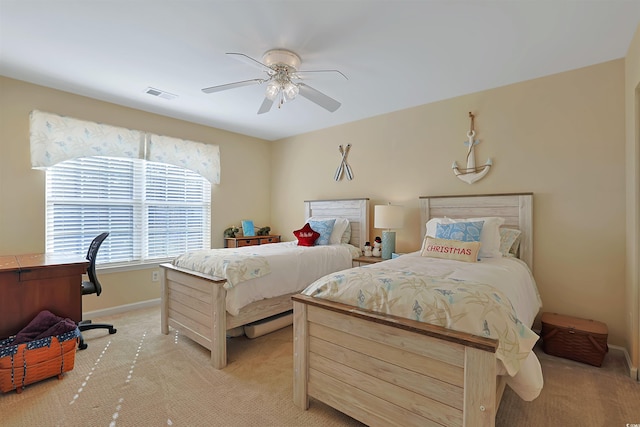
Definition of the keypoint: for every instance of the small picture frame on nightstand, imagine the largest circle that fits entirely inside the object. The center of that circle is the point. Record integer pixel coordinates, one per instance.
(248, 228)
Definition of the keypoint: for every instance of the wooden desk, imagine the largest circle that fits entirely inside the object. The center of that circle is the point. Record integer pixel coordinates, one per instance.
(35, 282)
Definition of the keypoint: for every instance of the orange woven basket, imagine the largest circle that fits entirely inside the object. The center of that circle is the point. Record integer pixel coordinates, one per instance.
(27, 363)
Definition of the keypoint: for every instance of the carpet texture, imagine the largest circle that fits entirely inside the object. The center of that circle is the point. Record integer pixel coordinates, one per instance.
(139, 377)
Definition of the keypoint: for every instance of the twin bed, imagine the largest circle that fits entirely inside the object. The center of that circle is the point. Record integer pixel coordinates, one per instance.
(389, 369)
(254, 282)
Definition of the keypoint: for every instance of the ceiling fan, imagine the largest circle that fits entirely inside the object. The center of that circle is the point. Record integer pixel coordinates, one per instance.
(283, 80)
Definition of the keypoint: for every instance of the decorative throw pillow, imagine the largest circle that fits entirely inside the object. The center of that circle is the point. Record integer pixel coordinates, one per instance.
(432, 224)
(489, 237)
(514, 251)
(463, 231)
(324, 227)
(339, 228)
(450, 249)
(306, 235)
(509, 241)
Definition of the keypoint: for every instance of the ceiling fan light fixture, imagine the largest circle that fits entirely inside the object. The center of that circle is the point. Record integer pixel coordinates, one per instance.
(273, 88)
(281, 67)
(290, 91)
(283, 57)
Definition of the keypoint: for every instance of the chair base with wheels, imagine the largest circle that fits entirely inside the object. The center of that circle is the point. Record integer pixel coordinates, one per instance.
(86, 325)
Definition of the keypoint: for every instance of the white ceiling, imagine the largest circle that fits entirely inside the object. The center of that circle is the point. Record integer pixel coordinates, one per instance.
(396, 53)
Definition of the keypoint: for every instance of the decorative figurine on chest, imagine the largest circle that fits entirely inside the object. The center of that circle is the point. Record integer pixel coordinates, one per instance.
(377, 247)
(231, 231)
(367, 249)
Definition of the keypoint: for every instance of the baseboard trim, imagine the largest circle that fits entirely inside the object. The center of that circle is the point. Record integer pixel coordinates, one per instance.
(633, 370)
(120, 309)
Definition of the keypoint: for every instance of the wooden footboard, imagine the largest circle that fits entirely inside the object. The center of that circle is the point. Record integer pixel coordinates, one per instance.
(194, 304)
(386, 370)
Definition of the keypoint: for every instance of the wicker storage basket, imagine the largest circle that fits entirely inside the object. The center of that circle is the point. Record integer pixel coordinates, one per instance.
(33, 361)
(573, 338)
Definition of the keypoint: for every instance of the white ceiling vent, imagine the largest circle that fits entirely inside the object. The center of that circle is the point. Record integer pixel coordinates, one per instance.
(160, 93)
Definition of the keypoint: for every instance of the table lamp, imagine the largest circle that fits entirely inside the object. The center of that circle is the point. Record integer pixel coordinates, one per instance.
(389, 217)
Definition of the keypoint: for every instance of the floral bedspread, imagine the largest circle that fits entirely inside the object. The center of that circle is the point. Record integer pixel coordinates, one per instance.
(465, 306)
(235, 266)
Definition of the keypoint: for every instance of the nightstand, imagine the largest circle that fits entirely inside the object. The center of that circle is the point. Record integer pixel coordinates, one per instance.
(364, 260)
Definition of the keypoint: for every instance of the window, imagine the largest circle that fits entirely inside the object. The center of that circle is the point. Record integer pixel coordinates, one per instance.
(153, 211)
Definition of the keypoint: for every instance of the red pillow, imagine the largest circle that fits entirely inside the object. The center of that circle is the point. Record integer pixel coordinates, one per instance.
(306, 235)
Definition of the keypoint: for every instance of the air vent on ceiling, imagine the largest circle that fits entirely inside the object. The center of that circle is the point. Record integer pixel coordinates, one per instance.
(160, 93)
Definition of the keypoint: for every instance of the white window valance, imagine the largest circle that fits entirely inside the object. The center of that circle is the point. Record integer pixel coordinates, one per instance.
(56, 138)
(196, 156)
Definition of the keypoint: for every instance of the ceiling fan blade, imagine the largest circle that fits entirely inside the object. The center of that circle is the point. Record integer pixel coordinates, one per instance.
(314, 73)
(220, 88)
(318, 97)
(249, 60)
(266, 106)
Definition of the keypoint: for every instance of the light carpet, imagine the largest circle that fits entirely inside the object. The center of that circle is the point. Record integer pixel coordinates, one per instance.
(140, 377)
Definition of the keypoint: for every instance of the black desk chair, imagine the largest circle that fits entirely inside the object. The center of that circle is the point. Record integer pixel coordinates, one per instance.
(93, 287)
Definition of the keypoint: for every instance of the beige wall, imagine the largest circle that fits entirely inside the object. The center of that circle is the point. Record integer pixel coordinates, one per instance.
(560, 137)
(632, 109)
(243, 192)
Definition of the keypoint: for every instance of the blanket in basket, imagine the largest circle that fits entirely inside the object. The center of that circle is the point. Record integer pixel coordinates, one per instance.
(44, 348)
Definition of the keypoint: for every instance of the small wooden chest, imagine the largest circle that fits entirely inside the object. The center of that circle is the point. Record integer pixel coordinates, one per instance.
(573, 338)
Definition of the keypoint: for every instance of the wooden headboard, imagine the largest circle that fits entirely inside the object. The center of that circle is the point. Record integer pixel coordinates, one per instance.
(516, 209)
(355, 210)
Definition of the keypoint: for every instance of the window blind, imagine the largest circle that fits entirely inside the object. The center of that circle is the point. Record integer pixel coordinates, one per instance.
(152, 211)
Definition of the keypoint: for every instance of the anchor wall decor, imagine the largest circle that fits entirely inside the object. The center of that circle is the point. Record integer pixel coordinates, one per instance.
(471, 173)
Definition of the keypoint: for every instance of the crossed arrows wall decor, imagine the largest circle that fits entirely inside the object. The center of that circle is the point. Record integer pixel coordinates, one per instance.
(344, 166)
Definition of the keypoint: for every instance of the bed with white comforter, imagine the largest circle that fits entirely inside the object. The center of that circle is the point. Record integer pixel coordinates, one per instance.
(254, 273)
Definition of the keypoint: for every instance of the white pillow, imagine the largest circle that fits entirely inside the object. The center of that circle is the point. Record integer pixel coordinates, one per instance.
(339, 228)
(346, 236)
(432, 226)
(489, 236)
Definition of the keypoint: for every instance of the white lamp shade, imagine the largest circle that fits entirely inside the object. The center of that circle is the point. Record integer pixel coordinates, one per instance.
(388, 216)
